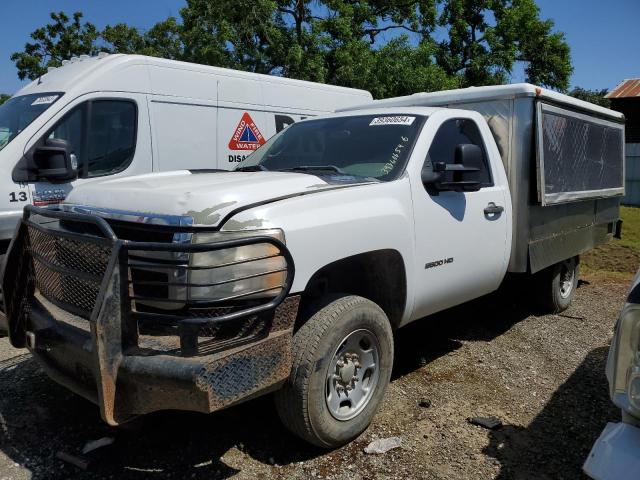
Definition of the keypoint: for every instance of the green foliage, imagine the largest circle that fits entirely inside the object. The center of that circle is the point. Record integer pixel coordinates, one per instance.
(593, 96)
(631, 227)
(162, 40)
(4, 97)
(55, 42)
(618, 258)
(387, 47)
(240, 34)
(483, 52)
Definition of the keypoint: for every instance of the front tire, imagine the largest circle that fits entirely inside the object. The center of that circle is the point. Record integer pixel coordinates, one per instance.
(342, 360)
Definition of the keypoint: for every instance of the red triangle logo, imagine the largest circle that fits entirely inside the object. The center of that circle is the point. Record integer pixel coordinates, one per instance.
(246, 136)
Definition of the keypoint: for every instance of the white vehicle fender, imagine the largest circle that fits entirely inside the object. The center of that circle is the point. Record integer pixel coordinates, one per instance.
(324, 227)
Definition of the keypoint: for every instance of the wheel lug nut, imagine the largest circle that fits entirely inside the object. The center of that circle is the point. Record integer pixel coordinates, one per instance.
(354, 378)
(340, 364)
(356, 364)
(349, 388)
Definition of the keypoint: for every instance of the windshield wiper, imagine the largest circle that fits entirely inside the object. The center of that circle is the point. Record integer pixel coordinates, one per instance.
(315, 168)
(252, 168)
(326, 168)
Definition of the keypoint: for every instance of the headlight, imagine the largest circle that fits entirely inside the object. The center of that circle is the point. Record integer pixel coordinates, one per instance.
(245, 272)
(624, 361)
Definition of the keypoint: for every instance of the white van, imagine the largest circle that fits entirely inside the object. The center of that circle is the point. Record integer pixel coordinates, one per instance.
(120, 115)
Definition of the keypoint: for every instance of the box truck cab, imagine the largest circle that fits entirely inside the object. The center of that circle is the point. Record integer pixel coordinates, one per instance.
(196, 291)
(118, 115)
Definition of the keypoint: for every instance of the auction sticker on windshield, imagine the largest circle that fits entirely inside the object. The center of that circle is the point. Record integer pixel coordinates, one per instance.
(45, 100)
(392, 120)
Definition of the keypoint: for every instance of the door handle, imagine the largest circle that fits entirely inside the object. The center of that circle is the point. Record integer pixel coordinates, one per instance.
(493, 209)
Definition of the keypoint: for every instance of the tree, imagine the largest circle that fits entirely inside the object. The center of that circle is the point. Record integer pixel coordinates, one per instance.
(351, 43)
(483, 52)
(161, 40)
(546, 54)
(384, 47)
(240, 34)
(593, 96)
(4, 97)
(55, 42)
(66, 37)
(332, 41)
(388, 47)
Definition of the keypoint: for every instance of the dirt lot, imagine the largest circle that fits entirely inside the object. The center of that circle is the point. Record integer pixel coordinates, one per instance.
(543, 376)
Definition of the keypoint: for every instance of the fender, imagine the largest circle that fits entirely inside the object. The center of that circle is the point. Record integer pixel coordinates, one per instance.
(331, 226)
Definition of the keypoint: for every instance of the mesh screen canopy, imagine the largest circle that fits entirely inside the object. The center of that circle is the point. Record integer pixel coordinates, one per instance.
(580, 157)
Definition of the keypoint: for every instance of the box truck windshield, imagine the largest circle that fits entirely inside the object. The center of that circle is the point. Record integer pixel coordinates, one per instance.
(375, 146)
(18, 112)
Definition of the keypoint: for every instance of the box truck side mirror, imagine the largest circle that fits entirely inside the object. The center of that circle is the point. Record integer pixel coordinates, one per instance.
(468, 161)
(55, 161)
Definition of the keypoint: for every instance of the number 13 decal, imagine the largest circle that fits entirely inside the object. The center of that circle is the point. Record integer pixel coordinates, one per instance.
(18, 197)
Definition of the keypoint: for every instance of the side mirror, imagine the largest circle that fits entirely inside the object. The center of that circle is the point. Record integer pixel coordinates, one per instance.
(55, 161)
(468, 160)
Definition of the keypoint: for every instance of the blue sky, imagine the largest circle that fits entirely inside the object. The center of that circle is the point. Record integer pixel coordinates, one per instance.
(603, 36)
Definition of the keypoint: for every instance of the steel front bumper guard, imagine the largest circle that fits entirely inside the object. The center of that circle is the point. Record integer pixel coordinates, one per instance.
(100, 355)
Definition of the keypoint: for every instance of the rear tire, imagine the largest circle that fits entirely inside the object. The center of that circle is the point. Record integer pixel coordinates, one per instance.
(557, 285)
(342, 360)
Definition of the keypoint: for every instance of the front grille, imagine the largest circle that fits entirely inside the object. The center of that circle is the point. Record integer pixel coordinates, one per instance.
(136, 232)
(68, 272)
(140, 232)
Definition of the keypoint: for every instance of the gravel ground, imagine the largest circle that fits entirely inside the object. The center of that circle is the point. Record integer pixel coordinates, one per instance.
(543, 376)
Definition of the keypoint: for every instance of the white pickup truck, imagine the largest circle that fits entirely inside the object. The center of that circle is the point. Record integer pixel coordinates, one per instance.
(195, 291)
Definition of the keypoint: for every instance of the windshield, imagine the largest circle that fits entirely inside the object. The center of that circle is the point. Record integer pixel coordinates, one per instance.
(374, 146)
(18, 112)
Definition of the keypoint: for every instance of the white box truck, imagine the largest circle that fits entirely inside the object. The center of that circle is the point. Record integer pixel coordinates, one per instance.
(197, 291)
(119, 115)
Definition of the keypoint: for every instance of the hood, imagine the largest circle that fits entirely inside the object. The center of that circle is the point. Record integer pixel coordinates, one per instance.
(206, 197)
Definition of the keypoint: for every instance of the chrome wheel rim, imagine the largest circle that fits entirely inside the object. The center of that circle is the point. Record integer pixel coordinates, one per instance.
(352, 375)
(566, 280)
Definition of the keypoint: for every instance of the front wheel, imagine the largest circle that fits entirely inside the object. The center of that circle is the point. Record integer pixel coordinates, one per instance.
(342, 360)
(557, 285)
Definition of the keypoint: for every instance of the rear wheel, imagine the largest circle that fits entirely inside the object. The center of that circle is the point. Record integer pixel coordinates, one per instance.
(557, 285)
(342, 359)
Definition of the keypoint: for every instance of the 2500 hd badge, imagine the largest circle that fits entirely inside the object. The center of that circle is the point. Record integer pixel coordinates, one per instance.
(438, 263)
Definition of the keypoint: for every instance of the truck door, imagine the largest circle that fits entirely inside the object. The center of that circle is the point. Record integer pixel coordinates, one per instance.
(461, 237)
